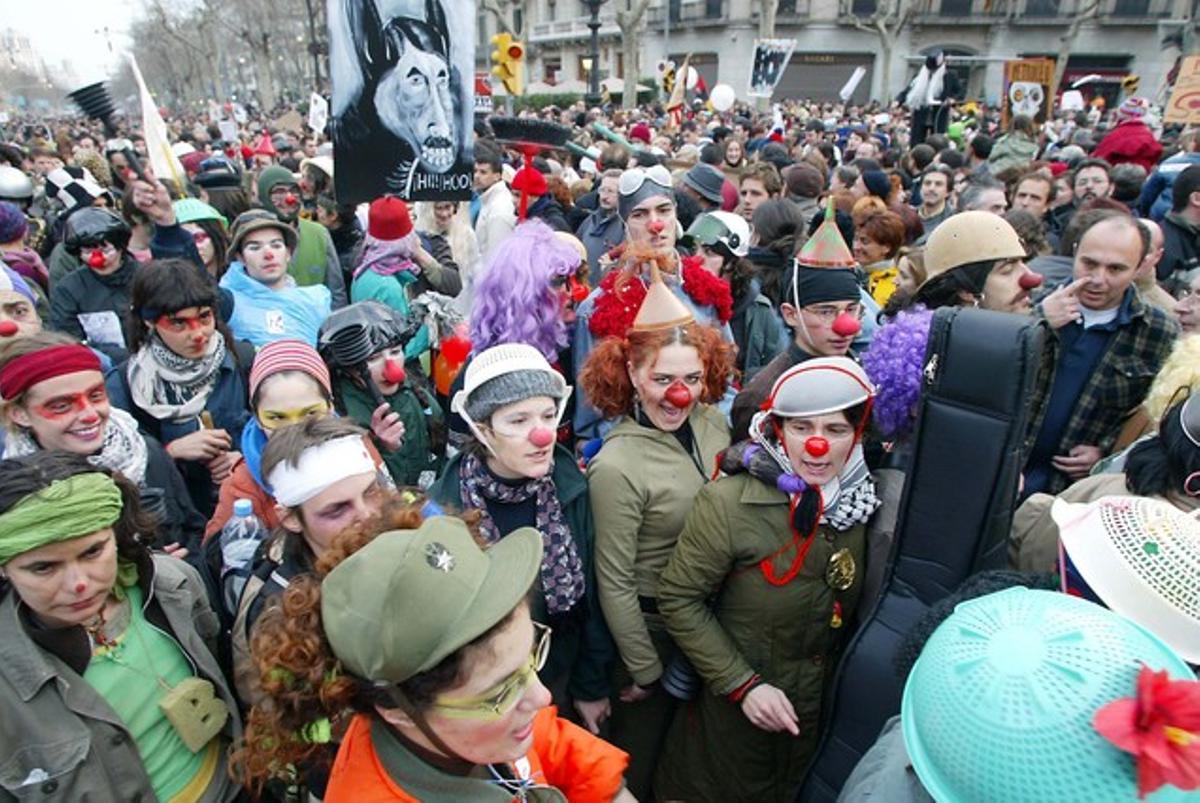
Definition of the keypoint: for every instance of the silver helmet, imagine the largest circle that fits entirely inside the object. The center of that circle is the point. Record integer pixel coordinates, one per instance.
(15, 185)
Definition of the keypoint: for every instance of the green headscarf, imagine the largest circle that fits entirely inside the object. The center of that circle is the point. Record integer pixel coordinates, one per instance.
(67, 509)
(275, 174)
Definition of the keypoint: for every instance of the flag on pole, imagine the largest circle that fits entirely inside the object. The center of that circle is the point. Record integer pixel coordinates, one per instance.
(166, 164)
(675, 104)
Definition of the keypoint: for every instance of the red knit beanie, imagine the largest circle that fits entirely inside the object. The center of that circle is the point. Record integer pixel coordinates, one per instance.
(388, 219)
(529, 180)
(288, 355)
(640, 131)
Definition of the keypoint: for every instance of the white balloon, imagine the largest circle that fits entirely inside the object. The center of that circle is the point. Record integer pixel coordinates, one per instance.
(722, 97)
(693, 78)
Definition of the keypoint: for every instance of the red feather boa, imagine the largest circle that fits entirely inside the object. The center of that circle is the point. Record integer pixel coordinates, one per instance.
(617, 307)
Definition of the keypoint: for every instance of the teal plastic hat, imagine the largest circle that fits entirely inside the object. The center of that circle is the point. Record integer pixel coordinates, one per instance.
(189, 210)
(999, 706)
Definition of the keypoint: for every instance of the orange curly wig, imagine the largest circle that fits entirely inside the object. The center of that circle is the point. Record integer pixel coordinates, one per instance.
(605, 375)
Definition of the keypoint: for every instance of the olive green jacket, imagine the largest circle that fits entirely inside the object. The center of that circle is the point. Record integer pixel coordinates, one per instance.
(59, 739)
(733, 623)
(641, 485)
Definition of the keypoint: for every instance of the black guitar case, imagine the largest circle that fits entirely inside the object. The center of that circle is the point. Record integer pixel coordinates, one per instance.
(955, 513)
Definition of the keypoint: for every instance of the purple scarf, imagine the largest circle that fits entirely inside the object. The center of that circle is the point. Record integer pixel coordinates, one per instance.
(562, 572)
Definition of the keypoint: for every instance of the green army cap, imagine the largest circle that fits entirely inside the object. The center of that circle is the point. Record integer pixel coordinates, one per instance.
(408, 599)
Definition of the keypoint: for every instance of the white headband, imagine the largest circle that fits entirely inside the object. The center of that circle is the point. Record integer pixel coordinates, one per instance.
(320, 467)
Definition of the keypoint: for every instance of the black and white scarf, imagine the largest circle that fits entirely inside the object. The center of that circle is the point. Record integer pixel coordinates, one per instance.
(562, 571)
(170, 387)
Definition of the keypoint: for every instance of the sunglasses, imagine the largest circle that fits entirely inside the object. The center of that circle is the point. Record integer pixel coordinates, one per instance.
(504, 696)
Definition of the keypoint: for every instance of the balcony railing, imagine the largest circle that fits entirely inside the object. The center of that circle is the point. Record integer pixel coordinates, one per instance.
(572, 29)
(1027, 12)
(693, 13)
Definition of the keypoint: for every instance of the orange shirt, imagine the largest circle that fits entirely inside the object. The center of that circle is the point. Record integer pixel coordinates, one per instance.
(583, 767)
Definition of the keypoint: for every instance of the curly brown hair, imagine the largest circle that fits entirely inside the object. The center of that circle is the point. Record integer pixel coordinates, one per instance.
(303, 682)
(605, 377)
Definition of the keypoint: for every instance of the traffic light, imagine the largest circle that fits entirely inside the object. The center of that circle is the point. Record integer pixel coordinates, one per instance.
(509, 60)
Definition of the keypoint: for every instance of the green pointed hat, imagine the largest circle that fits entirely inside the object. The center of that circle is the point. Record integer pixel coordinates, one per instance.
(826, 248)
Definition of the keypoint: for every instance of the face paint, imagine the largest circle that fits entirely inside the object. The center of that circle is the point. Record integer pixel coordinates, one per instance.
(272, 420)
(678, 395)
(541, 437)
(69, 404)
(393, 371)
(816, 446)
(846, 325)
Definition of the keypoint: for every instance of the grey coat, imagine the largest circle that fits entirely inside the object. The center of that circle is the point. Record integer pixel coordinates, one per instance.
(59, 739)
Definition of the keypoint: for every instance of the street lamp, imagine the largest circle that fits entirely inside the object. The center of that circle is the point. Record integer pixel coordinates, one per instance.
(593, 98)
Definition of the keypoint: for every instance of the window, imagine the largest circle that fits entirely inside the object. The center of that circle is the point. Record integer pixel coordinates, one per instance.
(1131, 8)
(1041, 8)
(863, 7)
(956, 8)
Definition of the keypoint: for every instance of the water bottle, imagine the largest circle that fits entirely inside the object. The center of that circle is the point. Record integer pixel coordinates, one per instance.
(240, 539)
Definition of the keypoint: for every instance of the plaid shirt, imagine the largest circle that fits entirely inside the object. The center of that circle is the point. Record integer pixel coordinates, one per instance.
(1117, 385)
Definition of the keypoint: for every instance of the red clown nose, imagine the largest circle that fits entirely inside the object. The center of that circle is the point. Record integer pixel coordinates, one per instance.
(96, 259)
(655, 226)
(541, 437)
(816, 446)
(289, 198)
(1030, 280)
(8, 328)
(678, 395)
(393, 371)
(846, 325)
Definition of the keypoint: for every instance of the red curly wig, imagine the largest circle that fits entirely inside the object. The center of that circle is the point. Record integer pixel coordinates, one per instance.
(605, 375)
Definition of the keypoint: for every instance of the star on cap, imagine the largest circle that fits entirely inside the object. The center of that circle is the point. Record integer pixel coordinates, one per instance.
(439, 557)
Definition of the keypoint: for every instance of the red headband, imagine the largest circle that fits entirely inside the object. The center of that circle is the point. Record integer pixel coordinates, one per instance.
(24, 372)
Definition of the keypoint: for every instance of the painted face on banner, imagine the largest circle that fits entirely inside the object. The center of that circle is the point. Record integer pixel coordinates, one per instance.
(415, 102)
(1026, 97)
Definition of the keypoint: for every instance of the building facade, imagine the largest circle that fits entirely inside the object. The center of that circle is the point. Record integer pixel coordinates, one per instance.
(978, 36)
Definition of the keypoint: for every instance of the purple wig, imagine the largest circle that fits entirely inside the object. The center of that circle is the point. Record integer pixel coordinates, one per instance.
(514, 302)
(894, 361)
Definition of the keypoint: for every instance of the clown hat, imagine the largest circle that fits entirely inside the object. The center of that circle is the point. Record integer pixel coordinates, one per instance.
(826, 248)
(265, 146)
(661, 309)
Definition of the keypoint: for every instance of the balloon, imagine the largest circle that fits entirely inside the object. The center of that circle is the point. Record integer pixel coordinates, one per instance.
(444, 374)
(457, 346)
(693, 78)
(722, 97)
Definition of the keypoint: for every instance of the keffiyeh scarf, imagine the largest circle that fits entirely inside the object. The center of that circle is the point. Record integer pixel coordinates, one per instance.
(170, 387)
(562, 571)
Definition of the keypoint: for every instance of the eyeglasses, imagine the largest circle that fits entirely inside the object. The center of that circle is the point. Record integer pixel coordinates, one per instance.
(827, 313)
(280, 190)
(633, 179)
(504, 696)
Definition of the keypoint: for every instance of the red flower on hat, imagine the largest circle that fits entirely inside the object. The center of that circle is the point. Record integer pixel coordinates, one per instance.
(1160, 726)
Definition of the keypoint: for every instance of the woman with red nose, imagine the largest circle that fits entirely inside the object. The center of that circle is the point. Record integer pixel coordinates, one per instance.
(379, 387)
(516, 475)
(977, 261)
(185, 379)
(90, 304)
(53, 398)
(761, 590)
(108, 687)
(659, 382)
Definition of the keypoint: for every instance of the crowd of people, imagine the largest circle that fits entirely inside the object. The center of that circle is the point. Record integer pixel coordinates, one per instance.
(578, 489)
